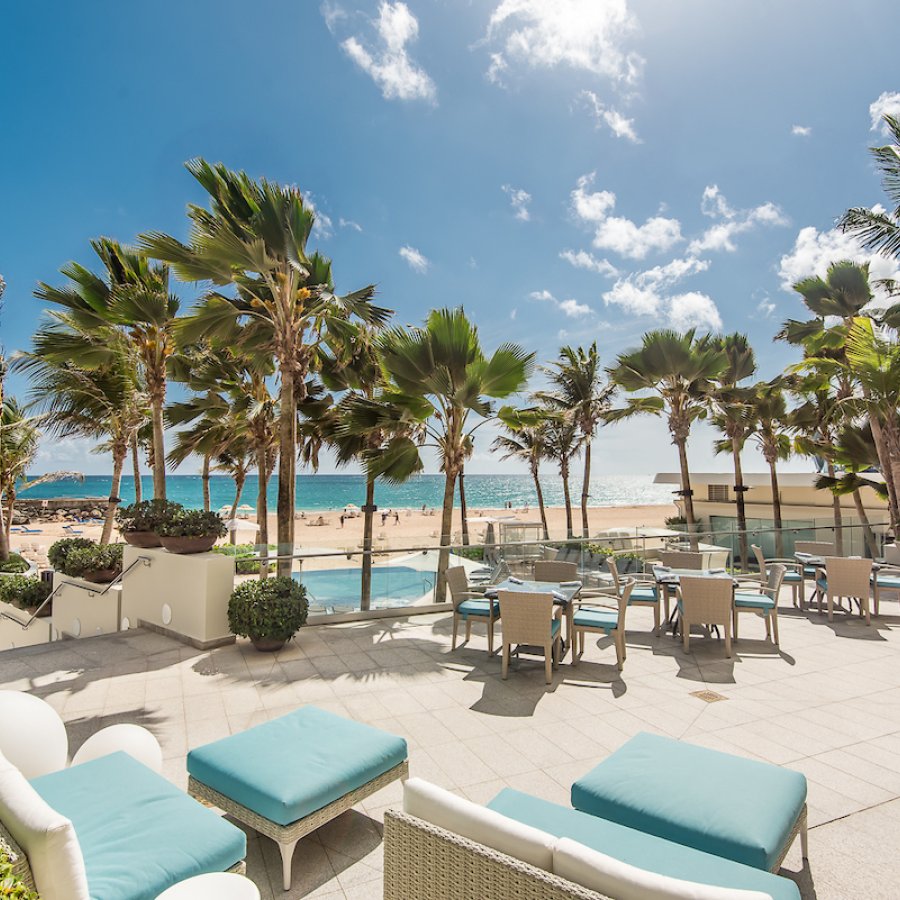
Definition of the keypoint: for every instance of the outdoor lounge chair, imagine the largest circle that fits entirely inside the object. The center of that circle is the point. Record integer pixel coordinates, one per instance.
(470, 604)
(793, 574)
(751, 597)
(591, 617)
(27, 530)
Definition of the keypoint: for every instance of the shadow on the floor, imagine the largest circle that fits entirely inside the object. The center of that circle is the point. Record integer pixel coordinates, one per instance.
(803, 879)
(81, 728)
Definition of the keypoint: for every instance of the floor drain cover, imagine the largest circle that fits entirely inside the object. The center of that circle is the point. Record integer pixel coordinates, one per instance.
(708, 696)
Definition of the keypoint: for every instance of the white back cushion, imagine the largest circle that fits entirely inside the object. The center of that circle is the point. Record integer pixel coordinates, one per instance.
(614, 878)
(484, 826)
(46, 837)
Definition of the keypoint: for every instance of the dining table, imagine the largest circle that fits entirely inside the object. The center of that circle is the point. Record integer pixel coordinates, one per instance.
(817, 564)
(564, 595)
(668, 579)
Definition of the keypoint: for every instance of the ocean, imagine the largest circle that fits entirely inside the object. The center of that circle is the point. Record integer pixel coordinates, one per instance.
(323, 492)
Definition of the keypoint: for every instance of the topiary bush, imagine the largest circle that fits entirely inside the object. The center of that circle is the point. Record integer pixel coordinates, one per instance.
(273, 609)
(246, 556)
(25, 593)
(14, 565)
(84, 561)
(59, 552)
(193, 523)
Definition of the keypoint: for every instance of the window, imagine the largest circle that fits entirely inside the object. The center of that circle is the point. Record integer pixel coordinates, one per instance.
(717, 493)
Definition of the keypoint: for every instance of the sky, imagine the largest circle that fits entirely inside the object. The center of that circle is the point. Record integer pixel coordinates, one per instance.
(567, 170)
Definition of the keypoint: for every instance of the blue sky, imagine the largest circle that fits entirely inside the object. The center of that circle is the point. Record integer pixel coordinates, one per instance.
(568, 170)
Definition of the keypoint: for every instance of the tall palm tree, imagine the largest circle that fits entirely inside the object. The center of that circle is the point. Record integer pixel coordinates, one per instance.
(772, 421)
(679, 370)
(127, 309)
(564, 440)
(579, 386)
(528, 444)
(254, 239)
(734, 418)
(19, 437)
(441, 379)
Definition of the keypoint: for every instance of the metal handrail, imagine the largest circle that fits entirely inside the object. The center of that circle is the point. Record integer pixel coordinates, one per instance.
(145, 560)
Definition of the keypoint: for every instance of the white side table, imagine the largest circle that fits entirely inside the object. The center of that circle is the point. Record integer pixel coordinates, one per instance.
(214, 886)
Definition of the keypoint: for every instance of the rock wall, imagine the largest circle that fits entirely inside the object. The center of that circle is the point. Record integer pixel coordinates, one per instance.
(60, 509)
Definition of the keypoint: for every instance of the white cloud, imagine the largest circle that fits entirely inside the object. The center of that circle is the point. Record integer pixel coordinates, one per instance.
(349, 223)
(332, 13)
(390, 65)
(582, 259)
(765, 308)
(323, 226)
(801, 130)
(418, 262)
(519, 201)
(887, 104)
(513, 313)
(589, 35)
(612, 118)
(644, 293)
(694, 310)
(732, 222)
(571, 308)
(619, 234)
(814, 251)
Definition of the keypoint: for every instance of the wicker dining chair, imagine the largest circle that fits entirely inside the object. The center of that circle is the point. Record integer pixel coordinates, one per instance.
(762, 599)
(887, 578)
(682, 559)
(597, 619)
(846, 577)
(705, 601)
(813, 548)
(793, 574)
(469, 604)
(545, 570)
(531, 619)
(645, 591)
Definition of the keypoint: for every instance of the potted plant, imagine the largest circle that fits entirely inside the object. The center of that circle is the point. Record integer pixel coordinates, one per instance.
(15, 565)
(60, 550)
(99, 563)
(25, 592)
(628, 561)
(191, 531)
(138, 523)
(268, 612)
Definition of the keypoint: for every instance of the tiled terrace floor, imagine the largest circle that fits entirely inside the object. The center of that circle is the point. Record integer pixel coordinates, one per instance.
(828, 705)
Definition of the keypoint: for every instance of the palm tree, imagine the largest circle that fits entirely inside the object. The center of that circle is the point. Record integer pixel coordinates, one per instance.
(527, 443)
(254, 239)
(564, 440)
(680, 370)
(19, 437)
(440, 378)
(579, 387)
(127, 310)
(733, 417)
(771, 419)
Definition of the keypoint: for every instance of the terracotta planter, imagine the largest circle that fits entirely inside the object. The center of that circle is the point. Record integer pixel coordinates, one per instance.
(100, 576)
(142, 539)
(267, 645)
(184, 545)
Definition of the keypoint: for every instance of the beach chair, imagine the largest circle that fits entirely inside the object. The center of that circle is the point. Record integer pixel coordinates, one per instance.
(27, 530)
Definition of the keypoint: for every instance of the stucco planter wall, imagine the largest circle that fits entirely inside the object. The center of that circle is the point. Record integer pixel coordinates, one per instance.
(12, 635)
(85, 613)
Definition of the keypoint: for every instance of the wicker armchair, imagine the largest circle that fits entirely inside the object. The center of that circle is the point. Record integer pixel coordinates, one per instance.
(845, 577)
(705, 601)
(887, 578)
(682, 559)
(761, 599)
(554, 570)
(592, 617)
(470, 604)
(532, 620)
(645, 591)
(793, 574)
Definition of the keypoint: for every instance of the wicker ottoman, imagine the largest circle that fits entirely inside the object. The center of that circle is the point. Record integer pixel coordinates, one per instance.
(288, 777)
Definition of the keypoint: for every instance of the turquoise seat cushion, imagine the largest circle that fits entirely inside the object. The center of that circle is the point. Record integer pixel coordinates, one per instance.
(139, 834)
(810, 571)
(478, 608)
(639, 849)
(753, 601)
(889, 581)
(732, 807)
(600, 619)
(555, 626)
(822, 584)
(643, 595)
(294, 765)
(792, 577)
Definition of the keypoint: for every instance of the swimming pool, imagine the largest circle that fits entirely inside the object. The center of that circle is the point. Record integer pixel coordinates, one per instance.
(340, 588)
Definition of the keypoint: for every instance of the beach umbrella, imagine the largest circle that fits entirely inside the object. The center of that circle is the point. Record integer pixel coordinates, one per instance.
(245, 508)
(236, 524)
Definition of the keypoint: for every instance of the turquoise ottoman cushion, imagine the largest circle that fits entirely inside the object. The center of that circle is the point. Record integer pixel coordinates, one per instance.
(292, 766)
(726, 805)
(644, 850)
(139, 834)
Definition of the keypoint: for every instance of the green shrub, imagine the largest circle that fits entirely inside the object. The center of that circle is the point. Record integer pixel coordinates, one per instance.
(476, 553)
(10, 886)
(84, 560)
(25, 592)
(193, 523)
(275, 608)
(599, 550)
(246, 561)
(59, 552)
(148, 515)
(15, 564)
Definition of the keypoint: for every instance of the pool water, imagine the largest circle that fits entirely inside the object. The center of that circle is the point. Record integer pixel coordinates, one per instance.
(391, 586)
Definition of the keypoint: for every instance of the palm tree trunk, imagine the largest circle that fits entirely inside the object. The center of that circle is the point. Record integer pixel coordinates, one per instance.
(204, 475)
(776, 511)
(440, 587)
(136, 466)
(262, 510)
(838, 518)
(5, 524)
(159, 450)
(287, 450)
(741, 507)
(238, 490)
(365, 593)
(118, 465)
(585, 490)
(540, 500)
(686, 493)
(868, 534)
(890, 469)
(463, 508)
(564, 473)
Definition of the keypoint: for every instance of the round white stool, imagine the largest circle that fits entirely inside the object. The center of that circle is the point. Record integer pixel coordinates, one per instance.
(133, 739)
(215, 886)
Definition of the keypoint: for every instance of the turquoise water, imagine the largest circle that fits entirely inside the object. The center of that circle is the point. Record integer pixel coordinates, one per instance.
(322, 492)
(340, 588)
